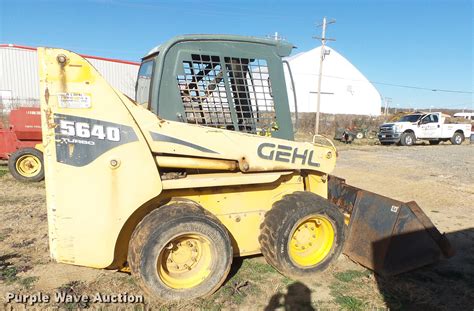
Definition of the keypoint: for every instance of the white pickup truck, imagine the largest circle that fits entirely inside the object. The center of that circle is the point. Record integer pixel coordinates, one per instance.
(423, 126)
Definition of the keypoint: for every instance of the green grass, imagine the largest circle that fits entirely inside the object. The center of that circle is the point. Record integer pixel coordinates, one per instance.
(287, 281)
(257, 267)
(28, 281)
(3, 170)
(9, 274)
(350, 275)
(350, 303)
(346, 282)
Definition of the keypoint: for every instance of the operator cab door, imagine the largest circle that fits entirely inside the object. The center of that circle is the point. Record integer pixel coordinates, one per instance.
(230, 85)
(430, 126)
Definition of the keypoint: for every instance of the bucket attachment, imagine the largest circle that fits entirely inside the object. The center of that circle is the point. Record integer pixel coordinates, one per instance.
(386, 235)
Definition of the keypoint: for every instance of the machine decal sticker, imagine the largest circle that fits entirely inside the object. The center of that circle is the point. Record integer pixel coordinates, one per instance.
(169, 139)
(74, 100)
(282, 153)
(79, 141)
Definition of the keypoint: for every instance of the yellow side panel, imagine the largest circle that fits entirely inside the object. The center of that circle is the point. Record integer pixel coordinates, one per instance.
(242, 208)
(99, 168)
(317, 183)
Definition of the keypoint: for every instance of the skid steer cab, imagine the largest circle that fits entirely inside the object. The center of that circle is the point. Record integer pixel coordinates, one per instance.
(203, 168)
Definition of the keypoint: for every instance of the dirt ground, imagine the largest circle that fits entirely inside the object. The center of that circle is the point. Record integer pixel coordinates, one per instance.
(440, 178)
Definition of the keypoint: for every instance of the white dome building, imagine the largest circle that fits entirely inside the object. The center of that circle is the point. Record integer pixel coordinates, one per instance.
(344, 89)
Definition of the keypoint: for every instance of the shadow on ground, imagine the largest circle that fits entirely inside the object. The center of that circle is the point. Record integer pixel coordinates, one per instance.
(297, 297)
(445, 285)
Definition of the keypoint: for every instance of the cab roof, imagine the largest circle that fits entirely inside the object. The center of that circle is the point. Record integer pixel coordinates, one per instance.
(284, 48)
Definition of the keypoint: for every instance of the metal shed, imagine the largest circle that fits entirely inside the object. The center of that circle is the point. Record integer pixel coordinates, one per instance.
(19, 75)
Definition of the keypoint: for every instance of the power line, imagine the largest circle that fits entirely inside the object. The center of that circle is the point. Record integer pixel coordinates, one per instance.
(404, 86)
(423, 88)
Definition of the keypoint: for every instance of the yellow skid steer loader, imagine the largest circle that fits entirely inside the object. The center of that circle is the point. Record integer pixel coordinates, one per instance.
(203, 167)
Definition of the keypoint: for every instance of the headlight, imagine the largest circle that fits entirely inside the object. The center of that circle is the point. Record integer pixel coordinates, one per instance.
(398, 127)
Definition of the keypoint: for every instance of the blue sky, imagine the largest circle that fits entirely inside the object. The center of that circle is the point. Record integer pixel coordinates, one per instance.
(415, 43)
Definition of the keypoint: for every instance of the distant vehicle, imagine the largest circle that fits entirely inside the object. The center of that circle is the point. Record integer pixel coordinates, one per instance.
(20, 144)
(465, 115)
(423, 126)
(348, 135)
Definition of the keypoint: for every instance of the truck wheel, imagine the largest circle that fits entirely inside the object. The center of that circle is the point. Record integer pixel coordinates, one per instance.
(457, 138)
(435, 142)
(302, 234)
(27, 165)
(359, 135)
(180, 252)
(407, 139)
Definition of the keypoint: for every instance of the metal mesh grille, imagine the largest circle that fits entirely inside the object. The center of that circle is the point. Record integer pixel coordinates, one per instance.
(203, 92)
(204, 96)
(251, 92)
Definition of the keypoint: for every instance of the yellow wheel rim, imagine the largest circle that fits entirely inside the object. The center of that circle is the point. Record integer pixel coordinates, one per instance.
(28, 165)
(311, 241)
(185, 261)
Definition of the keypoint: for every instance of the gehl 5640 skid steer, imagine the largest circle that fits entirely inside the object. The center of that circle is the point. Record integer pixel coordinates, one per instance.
(203, 167)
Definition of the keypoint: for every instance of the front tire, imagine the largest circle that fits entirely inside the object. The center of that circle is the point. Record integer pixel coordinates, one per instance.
(457, 138)
(407, 139)
(27, 165)
(180, 252)
(302, 234)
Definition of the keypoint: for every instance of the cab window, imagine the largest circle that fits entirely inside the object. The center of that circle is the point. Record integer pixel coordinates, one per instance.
(143, 84)
(431, 118)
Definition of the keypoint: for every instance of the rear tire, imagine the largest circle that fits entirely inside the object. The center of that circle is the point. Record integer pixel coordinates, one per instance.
(27, 165)
(302, 234)
(457, 138)
(180, 252)
(407, 139)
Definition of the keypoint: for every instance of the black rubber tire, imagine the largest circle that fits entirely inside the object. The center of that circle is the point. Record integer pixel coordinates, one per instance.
(155, 231)
(407, 139)
(457, 138)
(13, 159)
(279, 224)
(435, 142)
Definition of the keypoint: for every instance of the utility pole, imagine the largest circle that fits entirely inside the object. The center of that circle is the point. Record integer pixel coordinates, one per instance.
(322, 55)
(388, 100)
